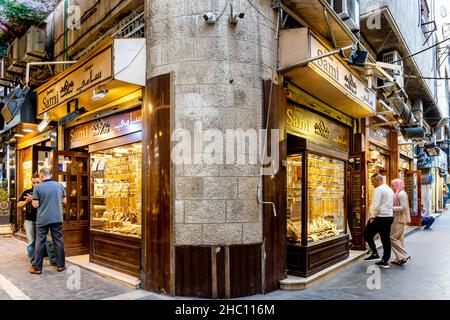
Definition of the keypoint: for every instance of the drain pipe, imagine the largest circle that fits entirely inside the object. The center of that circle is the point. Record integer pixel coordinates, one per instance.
(29, 64)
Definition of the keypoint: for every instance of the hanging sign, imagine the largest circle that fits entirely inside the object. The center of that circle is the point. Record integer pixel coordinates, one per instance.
(88, 75)
(105, 129)
(317, 128)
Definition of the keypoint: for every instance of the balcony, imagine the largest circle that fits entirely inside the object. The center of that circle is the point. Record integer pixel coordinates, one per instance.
(393, 25)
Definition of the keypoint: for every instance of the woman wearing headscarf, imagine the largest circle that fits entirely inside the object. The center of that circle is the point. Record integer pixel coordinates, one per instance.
(401, 218)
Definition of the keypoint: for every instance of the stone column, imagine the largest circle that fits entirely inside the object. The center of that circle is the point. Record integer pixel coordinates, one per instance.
(218, 71)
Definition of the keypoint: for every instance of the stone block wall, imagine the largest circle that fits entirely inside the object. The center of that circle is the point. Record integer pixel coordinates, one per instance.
(218, 72)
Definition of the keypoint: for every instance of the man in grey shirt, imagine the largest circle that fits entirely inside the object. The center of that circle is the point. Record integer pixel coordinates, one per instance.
(48, 198)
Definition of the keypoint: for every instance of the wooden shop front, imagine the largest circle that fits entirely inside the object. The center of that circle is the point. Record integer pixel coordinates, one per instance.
(97, 103)
(317, 155)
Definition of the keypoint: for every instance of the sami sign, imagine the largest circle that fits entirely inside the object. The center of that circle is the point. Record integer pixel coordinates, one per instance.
(319, 129)
(105, 129)
(85, 77)
(337, 73)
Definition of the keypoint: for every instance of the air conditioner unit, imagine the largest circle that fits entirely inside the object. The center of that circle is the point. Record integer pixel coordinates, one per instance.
(348, 11)
(32, 45)
(390, 57)
(14, 54)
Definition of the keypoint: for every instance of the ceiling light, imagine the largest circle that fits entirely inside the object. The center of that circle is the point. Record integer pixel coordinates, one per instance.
(45, 122)
(18, 135)
(99, 93)
(120, 150)
(28, 130)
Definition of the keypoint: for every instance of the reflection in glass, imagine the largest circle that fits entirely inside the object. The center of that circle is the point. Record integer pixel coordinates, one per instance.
(294, 198)
(326, 197)
(116, 190)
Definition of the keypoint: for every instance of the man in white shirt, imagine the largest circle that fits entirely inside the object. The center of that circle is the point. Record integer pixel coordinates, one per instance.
(381, 219)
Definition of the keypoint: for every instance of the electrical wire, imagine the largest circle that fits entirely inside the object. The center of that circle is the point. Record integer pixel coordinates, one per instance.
(132, 61)
(426, 49)
(260, 13)
(223, 11)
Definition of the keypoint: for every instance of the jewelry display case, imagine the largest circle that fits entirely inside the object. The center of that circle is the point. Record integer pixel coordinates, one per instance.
(116, 190)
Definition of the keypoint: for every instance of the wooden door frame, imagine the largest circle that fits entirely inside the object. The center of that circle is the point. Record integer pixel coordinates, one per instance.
(417, 220)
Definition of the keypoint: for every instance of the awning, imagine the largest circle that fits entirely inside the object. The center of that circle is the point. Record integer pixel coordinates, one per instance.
(319, 16)
(387, 38)
(116, 68)
(328, 79)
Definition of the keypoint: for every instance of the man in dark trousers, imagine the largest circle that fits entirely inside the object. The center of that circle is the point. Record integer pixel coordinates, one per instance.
(48, 198)
(30, 223)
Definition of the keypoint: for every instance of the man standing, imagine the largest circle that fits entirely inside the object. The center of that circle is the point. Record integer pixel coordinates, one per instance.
(47, 198)
(30, 223)
(381, 219)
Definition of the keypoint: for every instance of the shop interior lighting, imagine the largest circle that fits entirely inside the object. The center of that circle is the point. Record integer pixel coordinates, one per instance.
(99, 93)
(28, 130)
(45, 122)
(120, 150)
(18, 135)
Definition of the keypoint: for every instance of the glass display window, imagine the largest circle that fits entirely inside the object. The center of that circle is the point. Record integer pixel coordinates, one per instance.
(116, 176)
(326, 198)
(294, 198)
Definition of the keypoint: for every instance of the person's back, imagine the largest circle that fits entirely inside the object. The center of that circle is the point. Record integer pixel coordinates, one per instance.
(50, 195)
(48, 198)
(386, 201)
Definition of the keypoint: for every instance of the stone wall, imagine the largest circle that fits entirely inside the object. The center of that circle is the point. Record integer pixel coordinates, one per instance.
(218, 72)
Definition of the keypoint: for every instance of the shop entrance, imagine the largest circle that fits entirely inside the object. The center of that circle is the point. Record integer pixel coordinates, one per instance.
(31, 160)
(71, 169)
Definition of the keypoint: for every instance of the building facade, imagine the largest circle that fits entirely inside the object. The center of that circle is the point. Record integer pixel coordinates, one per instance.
(212, 148)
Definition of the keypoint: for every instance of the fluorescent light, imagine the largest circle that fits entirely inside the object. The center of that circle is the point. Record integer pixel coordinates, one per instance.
(120, 150)
(28, 130)
(18, 135)
(45, 122)
(99, 94)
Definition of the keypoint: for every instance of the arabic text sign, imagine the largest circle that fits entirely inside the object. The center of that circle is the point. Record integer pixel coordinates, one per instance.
(318, 129)
(341, 76)
(104, 129)
(86, 76)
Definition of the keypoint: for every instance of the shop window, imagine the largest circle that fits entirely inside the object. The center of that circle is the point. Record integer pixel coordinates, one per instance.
(326, 193)
(116, 191)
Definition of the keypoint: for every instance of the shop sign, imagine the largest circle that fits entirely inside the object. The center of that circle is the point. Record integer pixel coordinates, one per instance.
(85, 77)
(105, 129)
(341, 76)
(319, 129)
(380, 136)
(426, 162)
(4, 208)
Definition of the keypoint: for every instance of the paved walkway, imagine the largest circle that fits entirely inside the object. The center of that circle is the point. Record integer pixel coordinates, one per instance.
(427, 276)
(74, 284)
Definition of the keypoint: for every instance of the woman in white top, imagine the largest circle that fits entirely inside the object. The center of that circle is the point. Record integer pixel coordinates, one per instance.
(401, 218)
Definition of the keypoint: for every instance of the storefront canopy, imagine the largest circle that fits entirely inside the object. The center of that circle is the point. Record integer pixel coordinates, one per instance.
(114, 69)
(329, 79)
(318, 15)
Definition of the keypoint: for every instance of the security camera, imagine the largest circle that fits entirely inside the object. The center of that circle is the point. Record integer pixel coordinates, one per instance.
(234, 17)
(210, 17)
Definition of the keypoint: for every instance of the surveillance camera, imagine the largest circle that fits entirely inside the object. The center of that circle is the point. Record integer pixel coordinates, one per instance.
(210, 17)
(235, 17)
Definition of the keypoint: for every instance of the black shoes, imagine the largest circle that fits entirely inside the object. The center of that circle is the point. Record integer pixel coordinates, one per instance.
(383, 264)
(373, 256)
